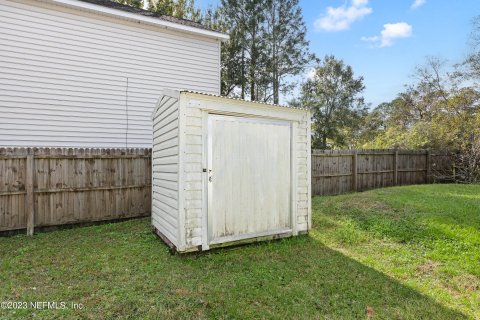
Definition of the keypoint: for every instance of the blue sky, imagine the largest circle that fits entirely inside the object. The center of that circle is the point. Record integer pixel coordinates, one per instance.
(383, 40)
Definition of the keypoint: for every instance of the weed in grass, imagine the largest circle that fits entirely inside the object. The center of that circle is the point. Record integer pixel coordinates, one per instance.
(349, 233)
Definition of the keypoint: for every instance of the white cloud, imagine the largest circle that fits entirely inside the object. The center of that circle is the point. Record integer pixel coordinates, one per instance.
(418, 3)
(390, 32)
(340, 18)
(358, 3)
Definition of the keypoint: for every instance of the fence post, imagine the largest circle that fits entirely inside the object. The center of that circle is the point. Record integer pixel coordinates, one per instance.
(355, 171)
(30, 207)
(428, 177)
(454, 170)
(395, 167)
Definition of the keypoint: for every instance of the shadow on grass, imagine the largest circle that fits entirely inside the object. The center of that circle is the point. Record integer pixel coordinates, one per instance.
(124, 271)
(302, 277)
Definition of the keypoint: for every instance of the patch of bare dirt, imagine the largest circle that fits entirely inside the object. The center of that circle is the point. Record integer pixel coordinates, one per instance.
(428, 267)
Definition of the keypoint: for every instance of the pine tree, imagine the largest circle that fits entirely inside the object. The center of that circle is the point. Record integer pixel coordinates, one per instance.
(246, 19)
(268, 42)
(231, 51)
(287, 47)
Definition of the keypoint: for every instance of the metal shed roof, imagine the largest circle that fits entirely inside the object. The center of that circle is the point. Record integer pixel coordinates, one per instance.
(238, 99)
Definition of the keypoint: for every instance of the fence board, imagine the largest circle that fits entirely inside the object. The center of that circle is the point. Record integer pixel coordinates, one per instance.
(340, 171)
(65, 185)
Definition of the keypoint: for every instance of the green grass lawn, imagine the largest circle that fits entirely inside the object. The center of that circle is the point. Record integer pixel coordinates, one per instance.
(395, 253)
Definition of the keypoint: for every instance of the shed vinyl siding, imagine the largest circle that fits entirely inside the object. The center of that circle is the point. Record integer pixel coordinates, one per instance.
(63, 75)
(165, 169)
(303, 194)
(194, 177)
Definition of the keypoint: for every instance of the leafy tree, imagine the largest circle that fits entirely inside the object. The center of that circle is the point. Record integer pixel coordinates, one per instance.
(183, 9)
(469, 69)
(333, 95)
(434, 112)
(131, 3)
(373, 124)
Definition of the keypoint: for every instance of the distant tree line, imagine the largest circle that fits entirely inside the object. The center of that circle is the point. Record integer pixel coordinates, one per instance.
(439, 109)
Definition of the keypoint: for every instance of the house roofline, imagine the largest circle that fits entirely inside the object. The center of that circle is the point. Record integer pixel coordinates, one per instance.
(90, 7)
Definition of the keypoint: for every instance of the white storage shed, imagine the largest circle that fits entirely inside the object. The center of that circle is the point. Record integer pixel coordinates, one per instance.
(227, 170)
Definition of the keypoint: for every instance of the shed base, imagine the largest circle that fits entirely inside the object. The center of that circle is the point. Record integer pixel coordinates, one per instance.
(172, 247)
(191, 249)
(251, 240)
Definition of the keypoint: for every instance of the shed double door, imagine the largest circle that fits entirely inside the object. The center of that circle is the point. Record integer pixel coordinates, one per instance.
(249, 178)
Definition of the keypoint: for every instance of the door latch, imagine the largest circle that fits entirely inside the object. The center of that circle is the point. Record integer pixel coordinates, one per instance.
(209, 174)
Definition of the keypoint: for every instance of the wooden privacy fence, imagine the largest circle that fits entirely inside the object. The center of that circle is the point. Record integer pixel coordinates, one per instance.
(42, 187)
(339, 171)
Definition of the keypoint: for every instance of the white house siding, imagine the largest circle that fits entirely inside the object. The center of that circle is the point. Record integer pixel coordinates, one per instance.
(63, 75)
(165, 186)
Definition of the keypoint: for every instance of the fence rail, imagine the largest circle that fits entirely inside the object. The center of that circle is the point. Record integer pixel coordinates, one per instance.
(339, 171)
(42, 187)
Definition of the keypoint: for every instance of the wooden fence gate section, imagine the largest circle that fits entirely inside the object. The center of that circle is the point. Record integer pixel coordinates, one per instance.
(42, 187)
